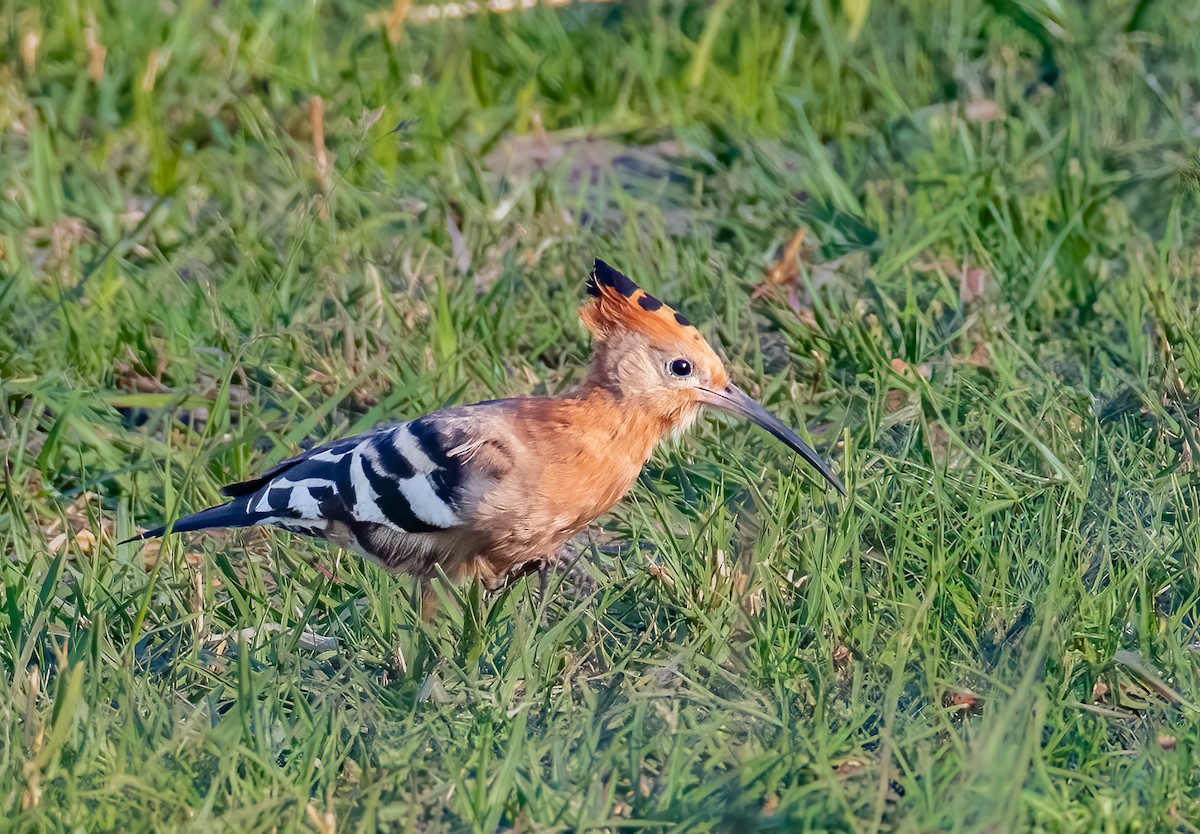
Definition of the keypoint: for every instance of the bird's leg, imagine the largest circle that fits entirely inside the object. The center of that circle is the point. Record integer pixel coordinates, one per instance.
(518, 573)
(540, 566)
(543, 582)
(429, 599)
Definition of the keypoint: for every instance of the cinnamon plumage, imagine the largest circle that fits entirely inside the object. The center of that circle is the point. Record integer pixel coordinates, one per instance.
(491, 489)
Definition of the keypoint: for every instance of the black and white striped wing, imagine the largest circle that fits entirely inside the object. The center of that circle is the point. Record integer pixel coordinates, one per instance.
(408, 479)
(387, 494)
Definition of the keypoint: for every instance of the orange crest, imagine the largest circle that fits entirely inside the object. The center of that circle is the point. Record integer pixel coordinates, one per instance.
(620, 304)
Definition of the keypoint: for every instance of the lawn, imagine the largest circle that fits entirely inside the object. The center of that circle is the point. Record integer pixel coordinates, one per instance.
(954, 243)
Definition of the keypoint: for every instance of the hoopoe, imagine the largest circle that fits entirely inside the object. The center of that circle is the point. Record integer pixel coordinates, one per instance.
(496, 489)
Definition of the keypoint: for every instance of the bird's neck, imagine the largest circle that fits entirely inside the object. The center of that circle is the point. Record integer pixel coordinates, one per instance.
(634, 423)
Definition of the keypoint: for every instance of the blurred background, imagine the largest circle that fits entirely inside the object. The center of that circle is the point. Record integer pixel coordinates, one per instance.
(956, 240)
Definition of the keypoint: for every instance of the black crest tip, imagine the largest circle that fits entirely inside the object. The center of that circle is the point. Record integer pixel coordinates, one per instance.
(592, 287)
(604, 275)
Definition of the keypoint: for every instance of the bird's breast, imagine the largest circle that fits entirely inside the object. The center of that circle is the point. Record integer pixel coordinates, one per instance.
(571, 470)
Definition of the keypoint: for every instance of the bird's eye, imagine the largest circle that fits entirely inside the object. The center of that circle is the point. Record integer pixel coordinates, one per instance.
(681, 367)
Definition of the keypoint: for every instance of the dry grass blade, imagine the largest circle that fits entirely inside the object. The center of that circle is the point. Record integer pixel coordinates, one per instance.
(1134, 663)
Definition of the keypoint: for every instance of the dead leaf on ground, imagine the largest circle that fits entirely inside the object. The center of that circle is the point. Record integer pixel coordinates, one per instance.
(660, 573)
(150, 550)
(902, 402)
(85, 540)
(972, 282)
(96, 51)
(51, 246)
(462, 255)
(947, 115)
(850, 767)
(786, 268)
(784, 273)
(752, 599)
(79, 527)
(900, 406)
(908, 371)
(942, 448)
(30, 41)
(321, 155)
(134, 377)
(980, 357)
(795, 262)
(963, 701)
(325, 822)
(928, 263)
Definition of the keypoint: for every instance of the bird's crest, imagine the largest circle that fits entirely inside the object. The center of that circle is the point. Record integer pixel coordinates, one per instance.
(619, 304)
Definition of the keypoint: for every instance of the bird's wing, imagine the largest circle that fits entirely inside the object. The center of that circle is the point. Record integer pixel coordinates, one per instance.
(417, 477)
(255, 484)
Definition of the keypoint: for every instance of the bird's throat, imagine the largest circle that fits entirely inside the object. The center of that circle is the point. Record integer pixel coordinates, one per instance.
(631, 426)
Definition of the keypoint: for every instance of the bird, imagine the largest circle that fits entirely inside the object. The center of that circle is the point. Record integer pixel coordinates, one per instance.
(495, 490)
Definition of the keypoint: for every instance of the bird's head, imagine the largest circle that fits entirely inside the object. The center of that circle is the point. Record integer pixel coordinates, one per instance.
(652, 357)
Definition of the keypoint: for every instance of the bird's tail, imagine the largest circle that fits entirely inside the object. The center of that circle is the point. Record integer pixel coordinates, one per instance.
(233, 514)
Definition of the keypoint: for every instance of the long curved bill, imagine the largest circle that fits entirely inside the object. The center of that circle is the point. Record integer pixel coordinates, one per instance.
(736, 401)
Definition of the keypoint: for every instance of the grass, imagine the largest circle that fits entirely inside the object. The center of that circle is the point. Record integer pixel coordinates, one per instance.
(232, 229)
